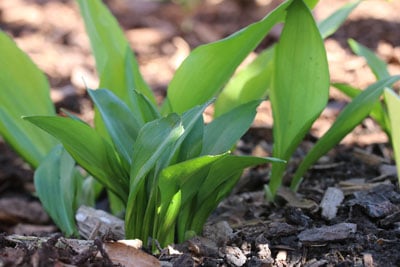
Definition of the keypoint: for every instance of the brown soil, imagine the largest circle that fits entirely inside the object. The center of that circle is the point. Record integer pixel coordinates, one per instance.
(245, 230)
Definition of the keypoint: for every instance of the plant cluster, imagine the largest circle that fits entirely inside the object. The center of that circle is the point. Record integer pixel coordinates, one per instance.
(162, 167)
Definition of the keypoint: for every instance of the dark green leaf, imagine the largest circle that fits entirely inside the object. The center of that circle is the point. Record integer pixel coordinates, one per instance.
(89, 150)
(223, 132)
(56, 186)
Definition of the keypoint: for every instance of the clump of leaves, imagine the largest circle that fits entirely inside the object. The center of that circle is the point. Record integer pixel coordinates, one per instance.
(164, 168)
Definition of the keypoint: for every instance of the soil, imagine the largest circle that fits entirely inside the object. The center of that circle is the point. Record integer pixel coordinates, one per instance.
(357, 176)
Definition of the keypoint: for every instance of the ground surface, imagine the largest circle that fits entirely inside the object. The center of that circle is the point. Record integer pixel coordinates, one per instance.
(245, 230)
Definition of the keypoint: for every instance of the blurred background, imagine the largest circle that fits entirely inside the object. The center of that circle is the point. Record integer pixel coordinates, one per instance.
(162, 33)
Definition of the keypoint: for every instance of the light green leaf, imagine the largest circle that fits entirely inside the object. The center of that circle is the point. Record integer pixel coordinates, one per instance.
(330, 25)
(117, 67)
(56, 186)
(393, 106)
(377, 112)
(300, 88)
(122, 125)
(186, 177)
(89, 150)
(24, 91)
(208, 67)
(349, 118)
(377, 65)
(251, 83)
(223, 132)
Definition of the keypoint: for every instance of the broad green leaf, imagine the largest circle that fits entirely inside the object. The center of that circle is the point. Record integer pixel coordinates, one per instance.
(393, 107)
(347, 120)
(122, 125)
(155, 140)
(56, 186)
(251, 83)
(24, 91)
(116, 65)
(89, 150)
(330, 25)
(377, 65)
(208, 67)
(223, 132)
(377, 112)
(300, 87)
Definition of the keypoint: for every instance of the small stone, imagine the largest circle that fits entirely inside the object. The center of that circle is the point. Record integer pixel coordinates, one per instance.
(233, 255)
(219, 232)
(335, 232)
(330, 202)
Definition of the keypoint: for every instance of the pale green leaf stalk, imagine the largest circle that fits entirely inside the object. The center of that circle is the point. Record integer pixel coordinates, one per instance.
(392, 101)
(300, 87)
(349, 118)
(380, 70)
(377, 113)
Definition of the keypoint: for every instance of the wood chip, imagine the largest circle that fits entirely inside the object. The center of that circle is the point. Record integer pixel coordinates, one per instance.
(293, 200)
(94, 223)
(324, 234)
(129, 256)
(330, 202)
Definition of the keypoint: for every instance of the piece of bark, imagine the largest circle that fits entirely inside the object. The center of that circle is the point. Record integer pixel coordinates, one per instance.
(129, 256)
(19, 209)
(94, 223)
(330, 202)
(323, 234)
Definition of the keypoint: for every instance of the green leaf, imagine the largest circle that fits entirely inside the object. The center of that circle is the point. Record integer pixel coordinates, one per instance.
(117, 67)
(300, 87)
(223, 132)
(89, 150)
(208, 67)
(186, 177)
(122, 126)
(377, 113)
(330, 25)
(24, 91)
(56, 186)
(155, 140)
(349, 118)
(251, 83)
(393, 107)
(377, 65)
(222, 177)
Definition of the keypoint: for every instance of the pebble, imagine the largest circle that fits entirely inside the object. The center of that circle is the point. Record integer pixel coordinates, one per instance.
(335, 232)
